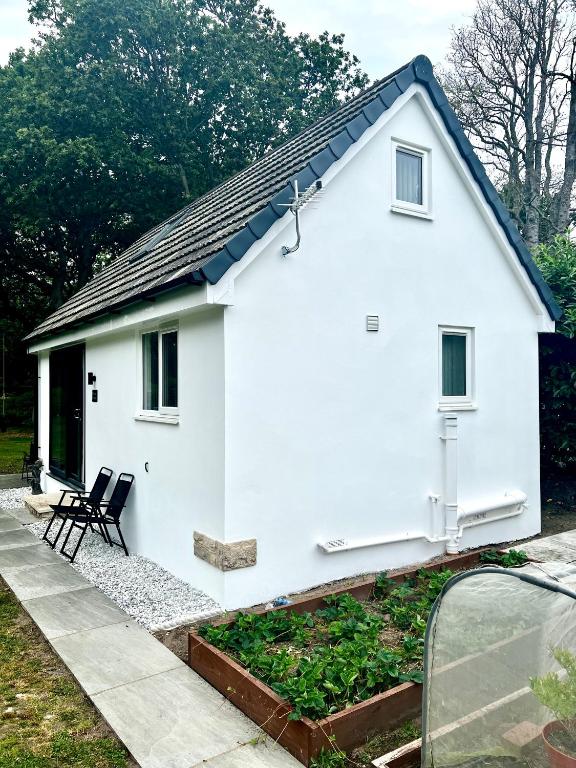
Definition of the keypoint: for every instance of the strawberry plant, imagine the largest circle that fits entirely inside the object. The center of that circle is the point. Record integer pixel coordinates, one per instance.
(330, 758)
(344, 653)
(511, 559)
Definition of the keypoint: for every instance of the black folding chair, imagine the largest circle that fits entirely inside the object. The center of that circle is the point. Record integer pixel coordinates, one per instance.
(103, 514)
(63, 511)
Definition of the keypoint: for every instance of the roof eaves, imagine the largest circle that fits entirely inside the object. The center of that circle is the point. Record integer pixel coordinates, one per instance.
(190, 278)
(417, 71)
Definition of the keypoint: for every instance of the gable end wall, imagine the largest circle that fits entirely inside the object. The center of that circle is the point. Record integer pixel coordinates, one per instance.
(333, 432)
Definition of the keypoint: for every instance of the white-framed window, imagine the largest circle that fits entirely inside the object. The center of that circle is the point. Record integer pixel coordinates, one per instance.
(456, 368)
(159, 373)
(410, 179)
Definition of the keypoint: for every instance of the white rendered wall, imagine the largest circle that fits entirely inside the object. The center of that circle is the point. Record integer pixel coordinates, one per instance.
(333, 432)
(183, 490)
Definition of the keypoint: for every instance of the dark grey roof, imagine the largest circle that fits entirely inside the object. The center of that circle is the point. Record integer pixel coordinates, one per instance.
(202, 241)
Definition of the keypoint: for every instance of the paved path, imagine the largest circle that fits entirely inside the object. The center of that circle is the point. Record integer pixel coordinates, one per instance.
(558, 548)
(12, 481)
(555, 558)
(166, 714)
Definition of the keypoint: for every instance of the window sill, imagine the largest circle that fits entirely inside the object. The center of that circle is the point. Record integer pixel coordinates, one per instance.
(458, 407)
(423, 214)
(72, 484)
(159, 418)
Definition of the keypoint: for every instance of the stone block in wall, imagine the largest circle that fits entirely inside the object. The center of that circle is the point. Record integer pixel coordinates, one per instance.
(225, 557)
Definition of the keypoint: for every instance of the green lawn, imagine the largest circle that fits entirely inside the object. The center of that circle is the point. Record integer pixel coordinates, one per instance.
(45, 719)
(13, 444)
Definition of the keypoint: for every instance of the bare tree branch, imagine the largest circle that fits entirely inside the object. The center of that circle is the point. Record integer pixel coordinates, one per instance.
(511, 78)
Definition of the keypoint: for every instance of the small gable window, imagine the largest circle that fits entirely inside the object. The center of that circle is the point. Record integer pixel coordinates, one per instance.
(160, 371)
(456, 367)
(410, 177)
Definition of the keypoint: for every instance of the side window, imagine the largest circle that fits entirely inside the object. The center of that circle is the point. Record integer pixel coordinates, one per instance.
(410, 179)
(170, 369)
(160, 371)
(456, 366)
(150, 379)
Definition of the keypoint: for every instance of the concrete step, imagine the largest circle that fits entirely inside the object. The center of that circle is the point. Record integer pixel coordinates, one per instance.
(39, 505)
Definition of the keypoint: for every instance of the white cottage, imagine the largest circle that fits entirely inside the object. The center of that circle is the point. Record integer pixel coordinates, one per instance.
(365, 401)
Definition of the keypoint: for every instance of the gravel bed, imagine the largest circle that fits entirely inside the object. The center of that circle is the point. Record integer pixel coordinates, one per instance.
(12, 497)
(147, 592)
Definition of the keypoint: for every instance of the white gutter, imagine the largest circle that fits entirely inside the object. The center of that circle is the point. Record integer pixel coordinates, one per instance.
(456, 517)
(468, 515)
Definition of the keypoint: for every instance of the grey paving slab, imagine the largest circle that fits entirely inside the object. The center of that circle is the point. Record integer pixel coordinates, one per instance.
(12, 481)
(165, 714)
(69, 612)
(8, 523)
(23, 515)
(42, 580)
(112, 656)
(264, 754)
(27, 557)
(561, 547)
(554, 570)
(18, 538)
(174, 720)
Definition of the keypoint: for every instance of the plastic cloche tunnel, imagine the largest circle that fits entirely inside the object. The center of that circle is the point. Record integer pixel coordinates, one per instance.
(500, 673)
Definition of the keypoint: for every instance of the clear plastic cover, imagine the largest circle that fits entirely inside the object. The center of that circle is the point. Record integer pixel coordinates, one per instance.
(493, 632)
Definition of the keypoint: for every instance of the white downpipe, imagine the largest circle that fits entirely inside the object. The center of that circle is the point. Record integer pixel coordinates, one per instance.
(450, 438)
(456, 517)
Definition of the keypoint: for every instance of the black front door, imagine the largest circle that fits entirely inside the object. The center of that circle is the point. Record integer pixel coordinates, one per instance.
(67, 413)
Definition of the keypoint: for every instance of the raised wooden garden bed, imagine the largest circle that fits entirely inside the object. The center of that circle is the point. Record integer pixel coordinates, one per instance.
(348, 728)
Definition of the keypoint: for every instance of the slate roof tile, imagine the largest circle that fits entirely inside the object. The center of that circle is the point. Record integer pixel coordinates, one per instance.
(205, 238)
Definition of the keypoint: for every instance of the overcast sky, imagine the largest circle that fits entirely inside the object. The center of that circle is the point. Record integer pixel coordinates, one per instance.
(384, 34)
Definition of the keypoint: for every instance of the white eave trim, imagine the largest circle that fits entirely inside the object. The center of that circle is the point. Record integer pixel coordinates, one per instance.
(222, 293)
(508, 251)
(166, 307)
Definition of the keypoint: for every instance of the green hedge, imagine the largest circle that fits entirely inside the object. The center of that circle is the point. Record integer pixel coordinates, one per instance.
(557, 261)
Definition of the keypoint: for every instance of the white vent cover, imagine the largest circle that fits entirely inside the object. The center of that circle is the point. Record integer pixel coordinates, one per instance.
(335, 545)
(372, 322)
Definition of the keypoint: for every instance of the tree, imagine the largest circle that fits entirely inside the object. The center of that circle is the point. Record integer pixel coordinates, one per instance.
(127, 109)
(557, 261)
(511, 78)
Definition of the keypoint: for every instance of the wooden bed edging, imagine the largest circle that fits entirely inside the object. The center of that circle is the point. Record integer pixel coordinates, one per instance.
(363, 588)
(407, 756)
(305, 738)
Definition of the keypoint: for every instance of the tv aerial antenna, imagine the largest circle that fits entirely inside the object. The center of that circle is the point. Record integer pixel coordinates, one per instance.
(298, 202)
